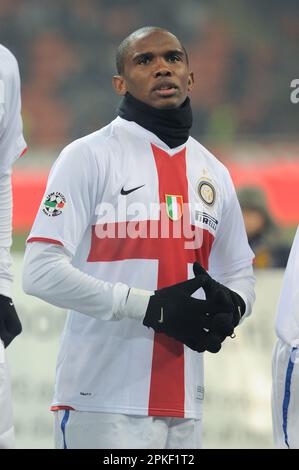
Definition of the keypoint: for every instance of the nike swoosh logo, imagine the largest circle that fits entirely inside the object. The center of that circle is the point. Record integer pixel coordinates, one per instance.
(11, 303)
(125, 192)
(162, 316)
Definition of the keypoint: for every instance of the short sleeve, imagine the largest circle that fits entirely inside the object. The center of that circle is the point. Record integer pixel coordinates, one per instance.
(68, 204)
(12, 143)
(230, 250)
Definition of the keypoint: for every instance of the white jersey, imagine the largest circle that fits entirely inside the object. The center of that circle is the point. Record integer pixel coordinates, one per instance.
(110, 199)
(12, 143)
(287, 319)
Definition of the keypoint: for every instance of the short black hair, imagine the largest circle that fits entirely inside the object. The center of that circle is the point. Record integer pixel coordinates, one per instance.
(125, 45)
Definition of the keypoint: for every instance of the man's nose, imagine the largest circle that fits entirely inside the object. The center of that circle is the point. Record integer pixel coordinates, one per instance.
(161, 69)
(162, 72)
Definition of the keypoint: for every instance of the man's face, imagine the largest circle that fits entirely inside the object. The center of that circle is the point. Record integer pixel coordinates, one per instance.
(156, 71)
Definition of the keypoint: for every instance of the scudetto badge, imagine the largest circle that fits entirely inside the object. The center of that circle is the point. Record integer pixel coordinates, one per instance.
(174, 206)
(206, 192)
(54, 204)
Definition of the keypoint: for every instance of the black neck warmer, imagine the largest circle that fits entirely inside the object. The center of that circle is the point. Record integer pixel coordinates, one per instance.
(170, 125)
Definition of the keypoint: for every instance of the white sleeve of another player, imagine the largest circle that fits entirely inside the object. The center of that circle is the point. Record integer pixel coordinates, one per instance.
(287, 314)
(49, 275)
(12, 143)
(5, 234)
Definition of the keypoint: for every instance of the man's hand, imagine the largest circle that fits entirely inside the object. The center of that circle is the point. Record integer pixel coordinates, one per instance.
(174, 312)
(213, 288)
(10, 325)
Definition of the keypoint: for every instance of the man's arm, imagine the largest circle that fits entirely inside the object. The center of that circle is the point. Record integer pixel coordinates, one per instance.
(230, 261)
(10, 325)
(12, 145)
(241, 281)
(49, 275)
(5, 234)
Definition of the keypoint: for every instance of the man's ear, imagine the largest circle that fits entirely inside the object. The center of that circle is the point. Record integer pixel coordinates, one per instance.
(190, 81)
(119, 84)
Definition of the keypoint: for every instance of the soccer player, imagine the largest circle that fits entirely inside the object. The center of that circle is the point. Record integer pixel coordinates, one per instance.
(285, 370)
(127, 212)
(12, 145)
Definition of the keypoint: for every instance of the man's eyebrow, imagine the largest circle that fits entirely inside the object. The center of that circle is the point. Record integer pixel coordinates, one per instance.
(175, 52)
(141, 55)
(150, 54)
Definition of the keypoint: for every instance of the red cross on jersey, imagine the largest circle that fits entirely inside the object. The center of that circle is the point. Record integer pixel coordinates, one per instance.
(138, 213)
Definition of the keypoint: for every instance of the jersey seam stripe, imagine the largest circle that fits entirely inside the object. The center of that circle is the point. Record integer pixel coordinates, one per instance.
(287, 396)
(63, 425)
(23, 152)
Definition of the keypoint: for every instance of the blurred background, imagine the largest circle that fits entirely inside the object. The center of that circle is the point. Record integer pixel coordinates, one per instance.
(244, 56)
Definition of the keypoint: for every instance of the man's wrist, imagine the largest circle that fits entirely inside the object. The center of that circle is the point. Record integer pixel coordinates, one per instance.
(243, 297)
(6, 287)
(137, 303)
(129, 302)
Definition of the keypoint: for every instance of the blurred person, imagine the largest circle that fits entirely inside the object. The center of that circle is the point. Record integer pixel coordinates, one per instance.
(285, 369)
(264, 236)
(130, 365)
(12, 145)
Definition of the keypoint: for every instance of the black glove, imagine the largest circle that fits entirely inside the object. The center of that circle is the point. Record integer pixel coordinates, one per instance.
(174, 312)
(10, 325)
(213, 288)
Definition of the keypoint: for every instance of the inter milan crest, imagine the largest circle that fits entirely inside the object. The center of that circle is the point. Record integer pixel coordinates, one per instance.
(53, 204)
(174, 206)
(206, 192)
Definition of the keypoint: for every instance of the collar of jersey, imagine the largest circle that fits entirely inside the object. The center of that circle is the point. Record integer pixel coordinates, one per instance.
(152, 138)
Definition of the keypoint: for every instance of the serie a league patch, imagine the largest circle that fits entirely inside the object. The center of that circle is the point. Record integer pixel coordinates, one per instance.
(206, 192)
(54, 204)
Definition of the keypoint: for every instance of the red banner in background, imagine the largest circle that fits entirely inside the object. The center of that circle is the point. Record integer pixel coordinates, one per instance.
(28, 191)
(279, 180)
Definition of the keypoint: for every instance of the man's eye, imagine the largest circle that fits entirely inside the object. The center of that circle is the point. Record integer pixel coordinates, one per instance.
(174, 58)
(143, 60)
